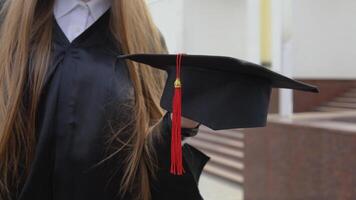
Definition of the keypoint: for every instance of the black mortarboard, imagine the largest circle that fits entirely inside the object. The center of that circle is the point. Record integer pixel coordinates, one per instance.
(219, 92)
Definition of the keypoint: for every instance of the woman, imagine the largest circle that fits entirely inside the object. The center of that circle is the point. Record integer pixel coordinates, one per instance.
(77, 123)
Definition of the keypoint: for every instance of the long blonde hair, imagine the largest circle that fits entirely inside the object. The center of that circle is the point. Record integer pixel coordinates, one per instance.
(25, 38)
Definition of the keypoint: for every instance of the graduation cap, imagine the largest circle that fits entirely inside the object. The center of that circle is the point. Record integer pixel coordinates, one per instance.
(216, 91)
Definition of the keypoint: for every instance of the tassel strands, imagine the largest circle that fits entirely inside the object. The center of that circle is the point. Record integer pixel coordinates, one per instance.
(176, 140)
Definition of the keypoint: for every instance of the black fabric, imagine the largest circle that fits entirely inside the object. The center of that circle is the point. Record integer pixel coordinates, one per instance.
(220, 92)
(87, 96)
(177, 187)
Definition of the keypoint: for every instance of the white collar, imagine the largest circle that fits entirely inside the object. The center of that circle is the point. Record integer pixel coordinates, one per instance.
(96, 7)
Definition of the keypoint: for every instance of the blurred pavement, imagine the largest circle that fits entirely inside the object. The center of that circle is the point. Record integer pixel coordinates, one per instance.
(217, 189)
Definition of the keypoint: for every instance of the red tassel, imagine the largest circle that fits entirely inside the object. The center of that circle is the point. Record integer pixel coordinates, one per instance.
(176, 141)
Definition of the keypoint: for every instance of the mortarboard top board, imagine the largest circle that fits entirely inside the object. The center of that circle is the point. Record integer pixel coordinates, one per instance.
(220, 92)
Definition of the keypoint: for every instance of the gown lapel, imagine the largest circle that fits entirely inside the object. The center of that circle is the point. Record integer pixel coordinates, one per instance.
(97, 33)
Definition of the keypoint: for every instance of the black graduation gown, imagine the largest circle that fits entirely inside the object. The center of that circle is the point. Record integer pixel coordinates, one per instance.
(86, 93)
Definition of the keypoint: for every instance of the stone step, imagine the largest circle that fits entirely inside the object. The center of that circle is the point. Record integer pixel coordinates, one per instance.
(222, 141)
(225, 149)
(330, 109)
(217, 150)
(353, 88)
(350, 94)
(225, 167)
(236, 178)
(344, 102)
(341, 105)
(226, 163)
(345, 99)
(231, 134)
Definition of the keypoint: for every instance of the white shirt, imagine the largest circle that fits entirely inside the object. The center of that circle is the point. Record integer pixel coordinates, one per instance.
(75, 16)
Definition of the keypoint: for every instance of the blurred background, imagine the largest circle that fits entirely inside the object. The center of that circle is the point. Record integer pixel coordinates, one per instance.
(307, 149)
